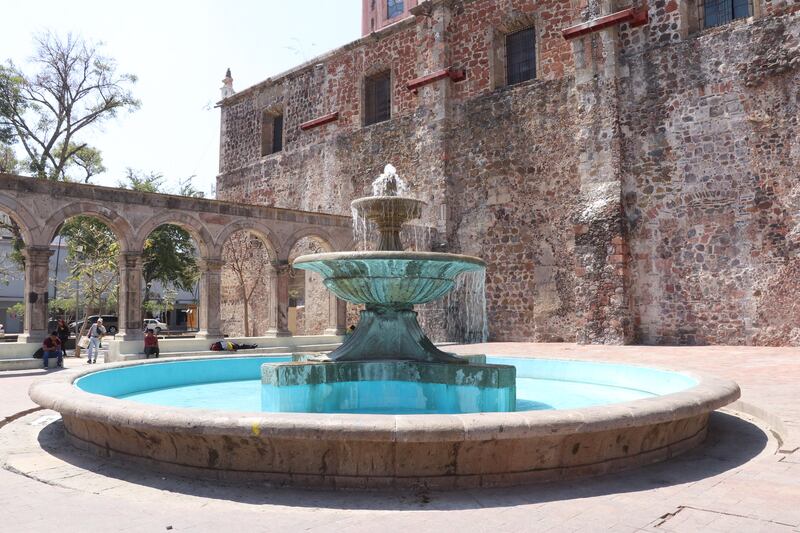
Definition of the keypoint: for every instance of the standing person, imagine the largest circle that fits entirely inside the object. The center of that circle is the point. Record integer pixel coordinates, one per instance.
(150, 344)
(52, 347)
(63, 335)
(96, 333)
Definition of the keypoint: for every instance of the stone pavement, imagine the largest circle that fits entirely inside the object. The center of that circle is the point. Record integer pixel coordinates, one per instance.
(746, 477)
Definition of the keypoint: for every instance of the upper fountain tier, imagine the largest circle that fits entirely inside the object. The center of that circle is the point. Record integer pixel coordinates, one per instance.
(389, 276)
(388, 208)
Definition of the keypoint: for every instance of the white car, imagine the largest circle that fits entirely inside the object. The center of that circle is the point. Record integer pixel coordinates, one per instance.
(155, 325)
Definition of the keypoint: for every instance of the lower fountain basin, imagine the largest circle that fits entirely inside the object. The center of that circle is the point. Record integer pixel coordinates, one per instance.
(645, 415)
(389, 278)
(387, 387)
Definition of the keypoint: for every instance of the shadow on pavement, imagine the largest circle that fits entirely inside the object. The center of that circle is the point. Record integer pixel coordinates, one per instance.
(731, 442)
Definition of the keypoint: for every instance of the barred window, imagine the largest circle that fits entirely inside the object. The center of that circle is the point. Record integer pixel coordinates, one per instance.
(394, 8)
(377, 98)
(520, 56)
(718, 12)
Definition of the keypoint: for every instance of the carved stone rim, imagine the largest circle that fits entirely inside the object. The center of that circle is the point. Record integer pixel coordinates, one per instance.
(59, 393)
(406, 256)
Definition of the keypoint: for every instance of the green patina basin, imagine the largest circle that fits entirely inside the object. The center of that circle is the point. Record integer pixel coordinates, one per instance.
(388, 277)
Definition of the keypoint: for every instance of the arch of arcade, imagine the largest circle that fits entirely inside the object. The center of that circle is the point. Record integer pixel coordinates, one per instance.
(39, 207)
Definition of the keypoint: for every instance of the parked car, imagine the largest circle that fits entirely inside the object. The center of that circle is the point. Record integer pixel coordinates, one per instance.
(111, 323)
(155, 324)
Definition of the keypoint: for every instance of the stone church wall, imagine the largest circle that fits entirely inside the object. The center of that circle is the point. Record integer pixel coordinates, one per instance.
(643, 188)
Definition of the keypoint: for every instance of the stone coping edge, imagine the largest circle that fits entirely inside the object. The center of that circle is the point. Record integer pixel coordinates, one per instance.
(58, 393)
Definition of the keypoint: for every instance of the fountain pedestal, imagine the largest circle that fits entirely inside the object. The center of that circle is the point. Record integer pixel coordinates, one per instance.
(387, 387)
(390, 332)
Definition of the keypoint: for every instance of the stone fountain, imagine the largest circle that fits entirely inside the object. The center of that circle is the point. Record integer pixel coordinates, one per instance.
(388, 346)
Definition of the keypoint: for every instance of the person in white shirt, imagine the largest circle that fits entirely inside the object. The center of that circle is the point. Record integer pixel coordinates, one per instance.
(96, 333)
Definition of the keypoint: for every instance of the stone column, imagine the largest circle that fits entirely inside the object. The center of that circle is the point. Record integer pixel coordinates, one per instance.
(337, 316)
(278, 281)
(210, 298)
(37, 268)
(603, 299)
(131, 324)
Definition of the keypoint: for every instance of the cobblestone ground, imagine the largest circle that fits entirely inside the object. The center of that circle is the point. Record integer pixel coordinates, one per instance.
(746, 477)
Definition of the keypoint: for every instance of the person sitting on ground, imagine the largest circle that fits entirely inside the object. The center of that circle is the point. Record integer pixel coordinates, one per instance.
(51, 347)
(150, 344)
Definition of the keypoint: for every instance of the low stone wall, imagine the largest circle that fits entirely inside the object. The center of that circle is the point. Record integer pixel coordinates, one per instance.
(129, 350)
(386, 451)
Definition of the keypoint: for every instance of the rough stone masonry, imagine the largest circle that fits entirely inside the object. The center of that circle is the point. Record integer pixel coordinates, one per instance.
(644, 187)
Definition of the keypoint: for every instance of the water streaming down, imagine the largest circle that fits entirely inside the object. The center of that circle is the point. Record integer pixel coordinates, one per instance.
(466, 308)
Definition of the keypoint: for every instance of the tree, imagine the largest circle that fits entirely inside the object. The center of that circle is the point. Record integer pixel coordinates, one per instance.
(75, 88)
(169, 258)
(92, 250)
(247, 257)
(139, 181)
(8, 160)
(187, 188)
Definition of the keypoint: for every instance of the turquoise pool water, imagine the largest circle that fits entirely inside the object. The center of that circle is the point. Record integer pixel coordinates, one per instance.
(234, 384)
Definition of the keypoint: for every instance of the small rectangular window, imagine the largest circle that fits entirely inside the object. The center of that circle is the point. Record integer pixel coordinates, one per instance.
(718, 12)
(277, 133)
(271, 133)
(394, 8)
(377, 99)
(521, 56)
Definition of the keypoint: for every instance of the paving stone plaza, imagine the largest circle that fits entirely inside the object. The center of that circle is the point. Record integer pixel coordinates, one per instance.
(745, 477)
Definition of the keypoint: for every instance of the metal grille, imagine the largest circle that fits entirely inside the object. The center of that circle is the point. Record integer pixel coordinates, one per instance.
(277, 133)
(521, 56)
(377, 99)
(718, 12)
(394, 8)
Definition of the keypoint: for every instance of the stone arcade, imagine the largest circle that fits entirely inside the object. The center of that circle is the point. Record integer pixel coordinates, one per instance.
(39, 207)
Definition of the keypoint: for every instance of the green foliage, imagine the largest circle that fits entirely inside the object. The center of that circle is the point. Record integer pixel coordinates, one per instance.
(187, 188)
(63, 305)
(139, 181)
(8, 159)
(86, 162)
(92, 250)
(18, 309)
(169, 257)
(158, 306)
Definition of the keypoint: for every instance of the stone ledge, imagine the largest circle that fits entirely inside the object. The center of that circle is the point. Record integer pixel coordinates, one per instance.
(318, 372)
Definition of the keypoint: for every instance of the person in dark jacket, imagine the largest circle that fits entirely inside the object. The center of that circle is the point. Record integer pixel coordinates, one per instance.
(51, 347)
(63, 334)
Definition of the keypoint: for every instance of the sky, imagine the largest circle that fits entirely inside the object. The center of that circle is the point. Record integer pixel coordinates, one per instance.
(179, 50)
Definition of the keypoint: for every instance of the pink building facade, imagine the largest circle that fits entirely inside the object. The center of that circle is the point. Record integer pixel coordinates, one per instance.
(377, 14)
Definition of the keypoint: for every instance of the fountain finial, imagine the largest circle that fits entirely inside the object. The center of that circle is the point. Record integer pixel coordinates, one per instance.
(389, 183)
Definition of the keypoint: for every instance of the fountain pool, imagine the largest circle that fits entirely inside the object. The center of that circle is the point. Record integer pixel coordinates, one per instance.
(234, 384)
